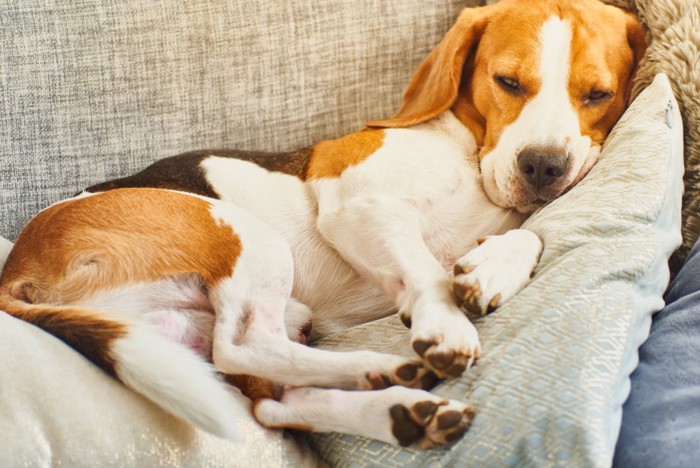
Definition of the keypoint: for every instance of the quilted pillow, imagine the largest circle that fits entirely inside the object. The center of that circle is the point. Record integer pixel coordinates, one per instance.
(58, 409)
(557, 357)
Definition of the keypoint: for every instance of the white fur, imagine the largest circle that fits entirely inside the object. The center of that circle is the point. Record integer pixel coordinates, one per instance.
(501, 266)
(337, 295)
(178, 380)
(366, 413)
(250, 335)
(402, 217)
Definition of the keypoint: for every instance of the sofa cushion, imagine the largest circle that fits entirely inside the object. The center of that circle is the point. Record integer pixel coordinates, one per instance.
(97, 90)
(556, 359)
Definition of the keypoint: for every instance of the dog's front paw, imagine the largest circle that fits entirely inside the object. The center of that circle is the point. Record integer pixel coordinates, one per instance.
(430, 423)
(496, 270)
(446, 340)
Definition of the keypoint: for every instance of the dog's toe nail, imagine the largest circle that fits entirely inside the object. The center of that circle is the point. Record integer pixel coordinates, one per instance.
(460, 269)
(493, 303)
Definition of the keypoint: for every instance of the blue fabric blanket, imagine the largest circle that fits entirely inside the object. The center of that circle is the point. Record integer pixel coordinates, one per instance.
(661, 418)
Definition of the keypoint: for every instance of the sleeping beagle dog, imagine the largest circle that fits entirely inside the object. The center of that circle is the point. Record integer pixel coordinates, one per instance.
(234, 254)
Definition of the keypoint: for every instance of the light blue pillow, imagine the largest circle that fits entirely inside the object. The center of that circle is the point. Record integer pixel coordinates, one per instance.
(557, 357)
(661, 418)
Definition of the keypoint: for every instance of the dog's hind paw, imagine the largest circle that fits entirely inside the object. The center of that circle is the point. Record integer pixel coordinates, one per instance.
(411, 374)
(430, 423)
(445, 339)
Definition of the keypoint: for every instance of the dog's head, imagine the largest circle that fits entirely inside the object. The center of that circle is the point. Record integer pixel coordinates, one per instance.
(539, 84)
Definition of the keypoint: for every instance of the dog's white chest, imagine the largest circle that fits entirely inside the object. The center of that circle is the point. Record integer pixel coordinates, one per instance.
(431, 169)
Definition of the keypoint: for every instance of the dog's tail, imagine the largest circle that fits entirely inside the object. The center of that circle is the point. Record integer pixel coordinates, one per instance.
(170, 375)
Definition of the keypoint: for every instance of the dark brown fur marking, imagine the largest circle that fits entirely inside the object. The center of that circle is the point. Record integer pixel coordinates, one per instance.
(85, 332)
(255, 388)
(184, 172)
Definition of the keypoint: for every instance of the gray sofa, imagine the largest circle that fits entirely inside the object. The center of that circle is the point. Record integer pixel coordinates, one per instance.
(93, 92)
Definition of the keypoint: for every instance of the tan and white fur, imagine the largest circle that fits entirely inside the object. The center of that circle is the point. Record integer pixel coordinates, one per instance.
(507, 113)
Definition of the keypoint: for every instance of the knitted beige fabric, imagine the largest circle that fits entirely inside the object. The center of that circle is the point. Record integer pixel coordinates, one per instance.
(96, 90)
(673, 28)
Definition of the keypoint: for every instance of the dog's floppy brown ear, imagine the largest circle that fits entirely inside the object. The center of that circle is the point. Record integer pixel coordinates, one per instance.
(435, 85)
(636, 38)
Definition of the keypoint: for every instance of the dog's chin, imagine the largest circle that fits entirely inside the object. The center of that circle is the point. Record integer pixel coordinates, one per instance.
(524, 199)
(517, 194)
(530, 207)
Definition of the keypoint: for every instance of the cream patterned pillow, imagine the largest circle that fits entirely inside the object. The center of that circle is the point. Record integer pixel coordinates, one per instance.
(557, 357)
(58, 409)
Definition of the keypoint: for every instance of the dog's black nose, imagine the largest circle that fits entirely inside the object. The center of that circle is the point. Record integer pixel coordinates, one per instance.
(541, 166)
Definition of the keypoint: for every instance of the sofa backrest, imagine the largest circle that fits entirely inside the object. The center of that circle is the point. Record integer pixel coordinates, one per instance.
(90, 91)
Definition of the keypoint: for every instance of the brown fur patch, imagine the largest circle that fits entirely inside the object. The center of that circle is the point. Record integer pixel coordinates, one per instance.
(329, 158)
(78, 247)
(255, 388)
(619, 55)
(258, 389)
(435, 85)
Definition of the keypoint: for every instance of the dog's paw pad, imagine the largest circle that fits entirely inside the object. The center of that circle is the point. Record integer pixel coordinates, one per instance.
(430, 424)
(411, 374)
(415, 375)
(421, 346)
(447, 363)
(376, 381)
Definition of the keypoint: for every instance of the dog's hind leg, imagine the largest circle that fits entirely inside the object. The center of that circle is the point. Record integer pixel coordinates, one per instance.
(395, 415)
(250, 334)
(254, 341)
